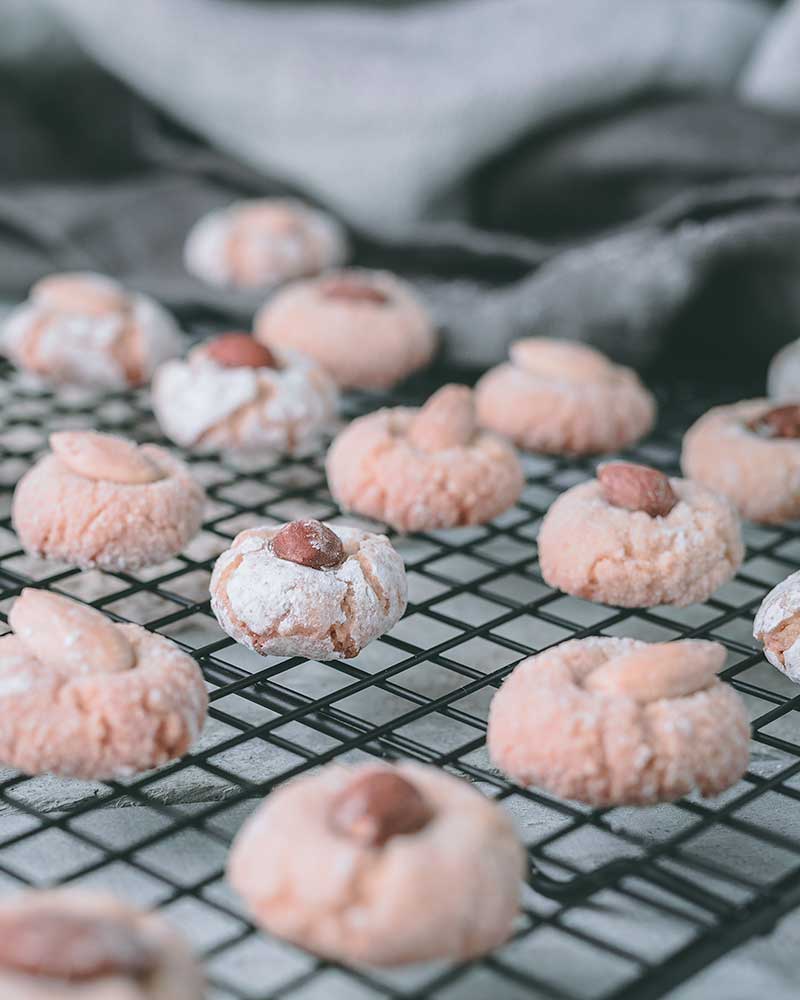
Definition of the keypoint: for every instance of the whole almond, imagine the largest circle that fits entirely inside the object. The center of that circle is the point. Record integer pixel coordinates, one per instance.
(779, 422)
(447, 420)
(73, 947)
(239, 350)
(80, 293)
(309, 543)
(352, 288)
(661, 670)
(636, 487)
(104, 457)
(560, 359)
(378, 806)
(69, 636)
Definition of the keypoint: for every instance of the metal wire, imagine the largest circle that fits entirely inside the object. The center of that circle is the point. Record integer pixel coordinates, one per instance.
(620, 902)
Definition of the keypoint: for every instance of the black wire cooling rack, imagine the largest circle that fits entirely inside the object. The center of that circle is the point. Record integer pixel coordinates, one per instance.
(621, 903)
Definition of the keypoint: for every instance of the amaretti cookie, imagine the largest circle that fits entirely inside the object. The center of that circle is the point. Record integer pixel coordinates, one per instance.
(308, 589)
(367, 328)
(261, 242)
(65, 944)
(777, 626)
(381, 865)
(635, 539)
(87, 329)
(86, 698)
(783, 376)
(621, 722)
(234, 393)
(750, 453)
(563, 397)
(99, 500)
(421, 469)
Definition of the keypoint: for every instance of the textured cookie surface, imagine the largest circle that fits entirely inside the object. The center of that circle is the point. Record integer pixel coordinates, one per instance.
(418, 470)
(84, 697)
(593, 549)
(277, 606)
(777, 626)
(259, 243)
(620, 722)
(69, 944)
(87, 329)
(305, 879)
(562, 397)
(204, 405)
(758, 471)
(76, 506)
(368, 329)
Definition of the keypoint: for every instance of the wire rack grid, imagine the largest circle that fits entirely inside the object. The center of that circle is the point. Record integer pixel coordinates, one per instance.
(620, 903)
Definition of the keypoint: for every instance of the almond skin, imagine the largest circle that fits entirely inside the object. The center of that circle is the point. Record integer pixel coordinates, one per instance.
(378, 806)
(239, 350)
(661, 670)
(72, 947)
(104, 457)
(636, 487)
(351, 288)
(447, 420)
(779, 422)
(309, 543)
(64, 634)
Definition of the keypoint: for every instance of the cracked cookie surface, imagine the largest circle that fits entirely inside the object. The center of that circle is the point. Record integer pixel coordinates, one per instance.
(276, 606)
(628, 558)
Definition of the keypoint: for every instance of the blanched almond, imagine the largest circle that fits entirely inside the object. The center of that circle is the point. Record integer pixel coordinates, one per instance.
(63, 634)
(637, 487)
(104, 457)
(91, 294)
(661, 670)
(447, 420)
(560, 359)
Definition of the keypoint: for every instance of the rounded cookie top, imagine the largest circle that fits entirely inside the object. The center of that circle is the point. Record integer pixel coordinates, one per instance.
(88, 329)
(749, 452)
(368, 329)
(564, 397)
(635, 538)
(418, 470)
(262, 242)
(337, 863)
(100, 500)
(233, 392)
(621, 722)
(308, 589)
(84, 697)
(59, 944)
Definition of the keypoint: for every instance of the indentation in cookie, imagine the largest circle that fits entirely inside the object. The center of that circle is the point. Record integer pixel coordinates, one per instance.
(352, 288)
(779, 422)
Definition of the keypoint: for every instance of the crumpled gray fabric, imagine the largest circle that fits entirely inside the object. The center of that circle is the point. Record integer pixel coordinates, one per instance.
(383, 111)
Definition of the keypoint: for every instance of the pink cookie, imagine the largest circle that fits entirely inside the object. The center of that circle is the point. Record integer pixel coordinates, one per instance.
(777, 626)
(635, 539)
(87, 329)
(418, 470)
(307, 589)
(381, 865)
(750, 453)
(620, 722)
(99, 500)
(258, 243)
(85, 698)
(65, 944)
(563, 397)
(367, 328)
(234, 393)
